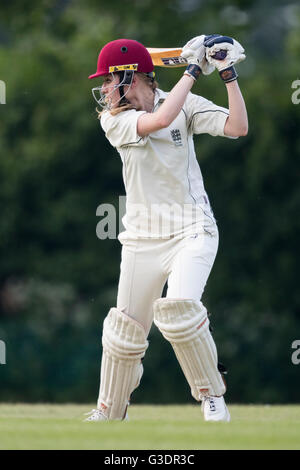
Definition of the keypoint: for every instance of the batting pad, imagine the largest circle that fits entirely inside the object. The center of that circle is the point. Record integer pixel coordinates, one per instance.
(124, 345)
(184, 323)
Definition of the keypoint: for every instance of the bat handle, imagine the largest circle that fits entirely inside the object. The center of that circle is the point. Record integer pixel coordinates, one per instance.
(220, 55)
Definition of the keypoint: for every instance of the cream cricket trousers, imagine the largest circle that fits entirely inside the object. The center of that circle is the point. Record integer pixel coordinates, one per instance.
(146, 265)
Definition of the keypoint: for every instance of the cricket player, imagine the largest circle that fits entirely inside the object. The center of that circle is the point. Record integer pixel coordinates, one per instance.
(170, 230)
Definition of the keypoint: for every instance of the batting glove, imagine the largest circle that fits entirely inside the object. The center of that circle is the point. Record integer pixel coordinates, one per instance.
(194, 53)
(216, 45)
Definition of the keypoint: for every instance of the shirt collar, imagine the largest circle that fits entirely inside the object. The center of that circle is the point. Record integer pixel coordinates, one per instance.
(159, 97)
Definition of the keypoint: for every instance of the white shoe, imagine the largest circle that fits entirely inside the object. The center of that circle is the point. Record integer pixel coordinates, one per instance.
(215, 409)
(96, 415)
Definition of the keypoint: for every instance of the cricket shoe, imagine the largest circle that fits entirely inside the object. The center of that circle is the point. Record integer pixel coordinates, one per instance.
(96, 415)
(215, 409)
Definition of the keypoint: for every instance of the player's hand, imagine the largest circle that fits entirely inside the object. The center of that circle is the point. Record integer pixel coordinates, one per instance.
(194, 53)
(216, 43)
(223, 52)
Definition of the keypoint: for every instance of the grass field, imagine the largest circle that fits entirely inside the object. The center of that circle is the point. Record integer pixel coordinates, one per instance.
(24, 426)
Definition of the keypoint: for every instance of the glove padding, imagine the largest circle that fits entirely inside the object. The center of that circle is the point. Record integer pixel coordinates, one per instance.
(194, 53)
(216, 43)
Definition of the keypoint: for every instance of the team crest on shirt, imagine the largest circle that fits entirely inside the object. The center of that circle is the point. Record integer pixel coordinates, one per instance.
(176, 136)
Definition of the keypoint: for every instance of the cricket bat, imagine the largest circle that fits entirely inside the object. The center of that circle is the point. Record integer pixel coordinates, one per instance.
(170, 57)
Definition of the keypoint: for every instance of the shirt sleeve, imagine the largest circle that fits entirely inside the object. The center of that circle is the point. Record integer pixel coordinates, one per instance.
(121, 130)
(205, 117)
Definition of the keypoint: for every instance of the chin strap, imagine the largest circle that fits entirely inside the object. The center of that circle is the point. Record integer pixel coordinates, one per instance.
(126, 78)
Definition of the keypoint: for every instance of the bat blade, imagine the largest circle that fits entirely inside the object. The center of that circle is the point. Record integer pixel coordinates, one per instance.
(170, 57)
(167, 57)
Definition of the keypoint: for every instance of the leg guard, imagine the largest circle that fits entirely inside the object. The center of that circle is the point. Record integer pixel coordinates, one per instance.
(184, 323)
(124, 345)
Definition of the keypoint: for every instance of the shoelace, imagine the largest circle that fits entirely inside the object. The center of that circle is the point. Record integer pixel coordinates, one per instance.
(212, 404)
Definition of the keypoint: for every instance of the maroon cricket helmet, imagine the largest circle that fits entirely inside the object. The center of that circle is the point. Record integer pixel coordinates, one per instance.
(121, 55)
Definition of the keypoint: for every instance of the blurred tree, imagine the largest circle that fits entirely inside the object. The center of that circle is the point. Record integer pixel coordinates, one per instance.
(57, 279)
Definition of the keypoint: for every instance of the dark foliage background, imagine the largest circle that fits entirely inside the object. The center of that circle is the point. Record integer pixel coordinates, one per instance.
(58, 280)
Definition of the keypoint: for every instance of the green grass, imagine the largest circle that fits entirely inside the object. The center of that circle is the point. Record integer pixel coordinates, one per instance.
(24, 426)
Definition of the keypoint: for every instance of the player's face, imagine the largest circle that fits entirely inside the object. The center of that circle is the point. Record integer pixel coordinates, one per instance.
(110, 90)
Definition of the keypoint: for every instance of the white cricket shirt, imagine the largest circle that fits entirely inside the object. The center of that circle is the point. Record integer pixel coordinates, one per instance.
(165, 194)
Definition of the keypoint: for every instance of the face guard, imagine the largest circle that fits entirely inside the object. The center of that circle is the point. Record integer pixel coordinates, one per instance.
(125, 73)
